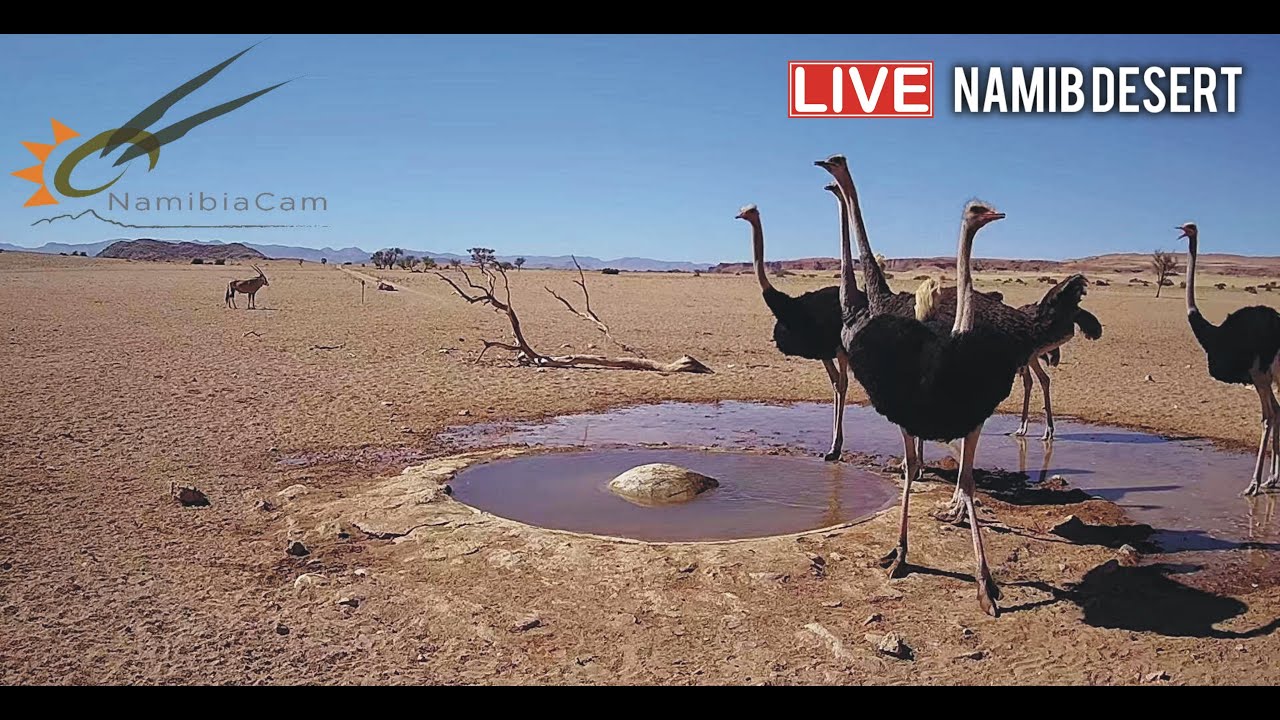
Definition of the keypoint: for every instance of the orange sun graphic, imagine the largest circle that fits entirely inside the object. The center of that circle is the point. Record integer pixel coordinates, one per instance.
(35, 173)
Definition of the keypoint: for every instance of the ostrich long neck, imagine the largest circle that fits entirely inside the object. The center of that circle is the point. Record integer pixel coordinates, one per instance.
(1191, 277)
(757, 244)
(964, 278)
(878, 292)
(848, 278)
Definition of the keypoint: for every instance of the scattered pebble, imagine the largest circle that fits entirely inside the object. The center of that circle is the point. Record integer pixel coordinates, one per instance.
(973, 655)
(386, 403)
(282, 629)
(890, 644)
(528, 622)
(464, 413)
(293, 491)
(1149, 379)
(832, 604)
(873, 618)
(1128, 556)
(689, 567)
(1158, 676)
(189, 496)
(309, 580)
(297, 549)
(360, 572)
(349, 602)
(768, 576)
(837, 646)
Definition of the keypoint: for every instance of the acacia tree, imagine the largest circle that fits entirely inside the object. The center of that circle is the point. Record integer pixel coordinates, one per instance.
(1163, 264)
(519, 263)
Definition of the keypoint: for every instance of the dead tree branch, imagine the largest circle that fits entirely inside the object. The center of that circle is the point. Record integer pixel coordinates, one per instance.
(587, 313)
(486, 292)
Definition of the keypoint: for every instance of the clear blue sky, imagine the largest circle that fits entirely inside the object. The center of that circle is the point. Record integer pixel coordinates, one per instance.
(646, 146)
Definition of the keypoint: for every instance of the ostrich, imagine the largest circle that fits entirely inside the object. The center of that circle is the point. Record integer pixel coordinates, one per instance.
(1245, 350)
(937, 382)
(808, 326)
(926, 300)
(1051, 355)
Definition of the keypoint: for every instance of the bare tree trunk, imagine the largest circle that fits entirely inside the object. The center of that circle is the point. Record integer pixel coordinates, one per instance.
(526, 355)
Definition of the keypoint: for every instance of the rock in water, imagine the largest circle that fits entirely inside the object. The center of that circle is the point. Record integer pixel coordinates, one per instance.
(660, 483)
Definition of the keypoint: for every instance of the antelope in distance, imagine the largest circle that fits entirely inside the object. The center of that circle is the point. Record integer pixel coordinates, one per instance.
(248, 287)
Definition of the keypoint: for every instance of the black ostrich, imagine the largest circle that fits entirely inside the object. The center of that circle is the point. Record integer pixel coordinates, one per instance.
(809, 325)
(1051, 356)
(1245, 350)
(938, 382)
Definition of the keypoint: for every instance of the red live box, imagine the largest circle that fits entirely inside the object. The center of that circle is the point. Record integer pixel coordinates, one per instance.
(861, 88)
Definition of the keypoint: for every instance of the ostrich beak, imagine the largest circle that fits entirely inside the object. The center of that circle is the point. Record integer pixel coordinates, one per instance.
(1184, 232)
(824, 164)
(996, 216)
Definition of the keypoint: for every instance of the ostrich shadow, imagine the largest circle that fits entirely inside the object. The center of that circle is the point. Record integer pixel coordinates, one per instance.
(1145, 599)
(1149, 599)
(1175, 541)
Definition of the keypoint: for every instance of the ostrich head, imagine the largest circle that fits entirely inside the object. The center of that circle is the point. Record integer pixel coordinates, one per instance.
(832, 188)
(1189, 231)
(978, 213)
(749, 213)
(833, 163)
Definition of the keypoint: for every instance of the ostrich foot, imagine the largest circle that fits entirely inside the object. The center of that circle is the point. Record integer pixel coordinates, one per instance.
(955, 513)
(1272, 482)
(1021, 431)
(833, 455)
(895, 562)
(1048, 433)
(1251, 490)
(988, 594)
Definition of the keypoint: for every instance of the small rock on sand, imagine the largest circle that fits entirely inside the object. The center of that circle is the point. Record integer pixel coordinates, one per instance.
(890, 644)
(528, 622)
(1128, 556)
(297, 549)
(293, 491)
(189, 496)
(660, 483)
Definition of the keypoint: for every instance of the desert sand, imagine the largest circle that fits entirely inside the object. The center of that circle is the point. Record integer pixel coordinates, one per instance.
(124, 379)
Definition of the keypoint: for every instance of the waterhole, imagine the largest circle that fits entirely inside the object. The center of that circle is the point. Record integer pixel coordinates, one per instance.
(1187, 489)
(758, 495)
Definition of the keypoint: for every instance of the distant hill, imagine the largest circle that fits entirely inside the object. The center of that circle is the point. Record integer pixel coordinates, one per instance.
(1114, 263)
(359, 255)
(161, 250)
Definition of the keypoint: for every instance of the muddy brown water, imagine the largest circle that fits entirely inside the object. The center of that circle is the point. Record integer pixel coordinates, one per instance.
(1185, 488)
(758, 496)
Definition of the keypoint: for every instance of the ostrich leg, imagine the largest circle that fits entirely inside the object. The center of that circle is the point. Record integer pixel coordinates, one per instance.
(839, 386)
(988, 591)
(919, 458)
(896, 560)
(1043, 377)
(1026, 401)
(1263, 387)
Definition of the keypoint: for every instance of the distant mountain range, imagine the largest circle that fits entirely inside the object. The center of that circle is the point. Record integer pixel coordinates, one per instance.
(359, 255)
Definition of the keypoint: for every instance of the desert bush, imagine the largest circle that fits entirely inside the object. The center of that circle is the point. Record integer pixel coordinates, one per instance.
(1251, 289)
(1220, 286)
(610, 271)
(197, 261)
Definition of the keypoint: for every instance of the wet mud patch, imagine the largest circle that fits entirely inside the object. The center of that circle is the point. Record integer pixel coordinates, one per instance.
(1186, 489)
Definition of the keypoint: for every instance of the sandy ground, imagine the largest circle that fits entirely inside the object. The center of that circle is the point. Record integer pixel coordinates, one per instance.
(122, 379)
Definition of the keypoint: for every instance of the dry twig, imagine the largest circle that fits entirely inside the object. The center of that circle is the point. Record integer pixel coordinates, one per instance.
(485, 292)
